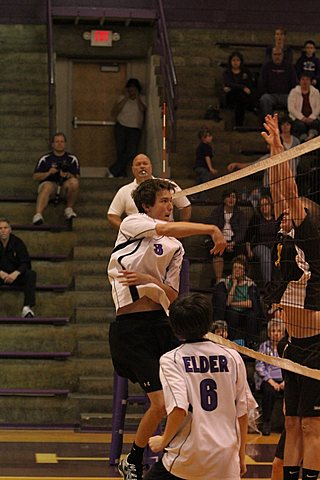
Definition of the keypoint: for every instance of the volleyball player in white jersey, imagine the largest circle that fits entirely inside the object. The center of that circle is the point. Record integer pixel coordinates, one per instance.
(144, 271)
(207, 401)
(297, 261)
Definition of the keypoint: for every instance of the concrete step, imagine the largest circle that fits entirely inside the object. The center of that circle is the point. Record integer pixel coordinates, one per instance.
(89, 298)
(96, 385)
(89, 267)
(91, 282)
(93, 348)
(96, 314)
(96, 253)
(21, 121)
(91, 331)
(24, 132)
(91, 224)
(46, 242)
(199, 61)
(42, 338)
(47, 303)
(54, 272)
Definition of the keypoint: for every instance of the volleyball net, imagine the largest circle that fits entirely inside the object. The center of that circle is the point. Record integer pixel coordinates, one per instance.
(277, 279)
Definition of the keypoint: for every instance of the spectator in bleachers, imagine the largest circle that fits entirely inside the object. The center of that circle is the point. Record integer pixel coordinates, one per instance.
(261, 232)
(203, 167)
(15, 266)
(238, 87)
(58, 173)
(236, 300)
(268, 378)
(232, 222)
(279, 42)
(309, 63)
(304, 109)
(220, 327)
(277, 78)
(129, 111)
(123, 204)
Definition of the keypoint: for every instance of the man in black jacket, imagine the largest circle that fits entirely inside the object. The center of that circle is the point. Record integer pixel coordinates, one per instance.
(15, 266)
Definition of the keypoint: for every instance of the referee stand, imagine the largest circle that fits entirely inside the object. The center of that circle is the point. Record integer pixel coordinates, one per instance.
(121, 398)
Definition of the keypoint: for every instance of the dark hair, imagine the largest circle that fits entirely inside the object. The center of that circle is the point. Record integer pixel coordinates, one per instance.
(204, 132)
(58, 134)
(309, 41)
(282, 29)
(190, 316)
(227, 193)
(265, 197)
(146, 192)
(306, 74)
(134, 82)
(242, 260)
(4, 219)
(235, 54)
(285, 119)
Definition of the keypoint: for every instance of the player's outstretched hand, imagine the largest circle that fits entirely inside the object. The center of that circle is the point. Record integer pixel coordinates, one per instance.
(155, 443)
(219, 243)
(272, 134)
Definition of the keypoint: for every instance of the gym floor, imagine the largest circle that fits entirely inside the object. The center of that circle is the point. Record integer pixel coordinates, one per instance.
(69, 455)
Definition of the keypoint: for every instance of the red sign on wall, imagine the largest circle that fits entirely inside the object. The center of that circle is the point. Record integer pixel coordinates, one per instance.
(101, 38)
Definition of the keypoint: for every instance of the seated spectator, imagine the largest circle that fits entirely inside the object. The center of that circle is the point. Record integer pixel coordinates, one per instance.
(268, 378)
(123, 204)
(238, 87)
(203, 167)
(129, 111)
(220, 327)
(277, 78)
(15, 266)
(236, 300)
(309, 63)
(304, 109)
(260, 236)
(58, 173)
(231, 221)
(279, 42)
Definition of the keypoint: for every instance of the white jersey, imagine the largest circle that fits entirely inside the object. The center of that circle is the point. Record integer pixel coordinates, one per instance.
(123, 201)
(139, 248)
(209, 382)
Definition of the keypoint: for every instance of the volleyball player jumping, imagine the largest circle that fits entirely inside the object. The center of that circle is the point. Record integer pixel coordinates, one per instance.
(296, 289)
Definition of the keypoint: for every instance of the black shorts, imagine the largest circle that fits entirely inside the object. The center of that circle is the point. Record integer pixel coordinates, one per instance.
(159, 472)
(137, 341)
(302, 394)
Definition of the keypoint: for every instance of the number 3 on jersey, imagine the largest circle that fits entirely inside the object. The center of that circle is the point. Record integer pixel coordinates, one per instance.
(208, 394)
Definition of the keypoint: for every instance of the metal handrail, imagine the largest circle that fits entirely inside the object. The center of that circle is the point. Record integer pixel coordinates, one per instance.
(168, 72)
(51, 77)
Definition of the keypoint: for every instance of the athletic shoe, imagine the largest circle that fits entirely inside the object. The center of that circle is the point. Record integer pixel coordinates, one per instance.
(27, 312)
(69, 213)
(130, 471)
(37, 219)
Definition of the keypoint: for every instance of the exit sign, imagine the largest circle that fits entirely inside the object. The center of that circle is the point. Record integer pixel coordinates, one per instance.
(101, 38)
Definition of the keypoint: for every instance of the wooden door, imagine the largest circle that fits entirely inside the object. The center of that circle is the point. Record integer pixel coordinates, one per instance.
(94, 93)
